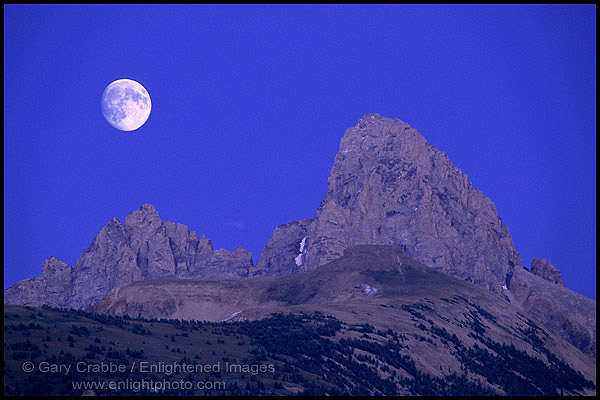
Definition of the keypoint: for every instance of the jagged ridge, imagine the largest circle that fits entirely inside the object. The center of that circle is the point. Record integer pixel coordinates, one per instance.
(143, 247)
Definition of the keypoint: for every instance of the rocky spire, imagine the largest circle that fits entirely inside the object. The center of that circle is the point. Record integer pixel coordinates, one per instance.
(388, 185)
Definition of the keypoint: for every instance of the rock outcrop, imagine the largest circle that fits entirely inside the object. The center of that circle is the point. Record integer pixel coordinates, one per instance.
(545, 270)
(389, 186)
(285, 252)
(143, 247)
(51, 288)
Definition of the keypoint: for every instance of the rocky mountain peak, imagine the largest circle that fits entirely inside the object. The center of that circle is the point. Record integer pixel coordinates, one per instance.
(52, 287)
(205, 244)
(544, 269)
(145, 216)
(389, 186)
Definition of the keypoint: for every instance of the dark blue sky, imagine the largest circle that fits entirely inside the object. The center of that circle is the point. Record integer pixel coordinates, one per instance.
(250, 103)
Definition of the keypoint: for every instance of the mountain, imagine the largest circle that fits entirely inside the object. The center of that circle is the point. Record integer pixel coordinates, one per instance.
(143, 247)
(388, 185)
(371, 322)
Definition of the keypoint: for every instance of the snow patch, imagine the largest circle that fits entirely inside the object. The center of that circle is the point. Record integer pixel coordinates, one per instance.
(298, 258)
(302, 243)
(369, 290)
(235, 314)
(504, 287)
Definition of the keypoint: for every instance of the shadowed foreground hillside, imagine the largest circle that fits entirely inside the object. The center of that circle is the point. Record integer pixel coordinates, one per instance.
(282, 354)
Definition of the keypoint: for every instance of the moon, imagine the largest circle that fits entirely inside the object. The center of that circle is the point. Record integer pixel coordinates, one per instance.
(126, 104)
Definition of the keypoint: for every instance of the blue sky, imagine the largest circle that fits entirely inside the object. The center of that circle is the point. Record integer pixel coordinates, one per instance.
(250, 103)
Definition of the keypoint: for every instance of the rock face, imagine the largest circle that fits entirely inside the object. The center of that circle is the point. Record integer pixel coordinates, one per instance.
(143, 247)
(388, 186)
(542, 268)
(285, 252)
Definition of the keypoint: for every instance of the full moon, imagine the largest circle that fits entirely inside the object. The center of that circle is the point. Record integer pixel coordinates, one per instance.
(126, 104)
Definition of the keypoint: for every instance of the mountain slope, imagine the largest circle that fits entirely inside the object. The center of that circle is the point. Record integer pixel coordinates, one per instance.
(283, 354)
(442, 318)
